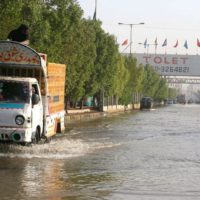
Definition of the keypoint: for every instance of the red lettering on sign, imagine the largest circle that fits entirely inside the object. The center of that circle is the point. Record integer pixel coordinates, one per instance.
(146, 58)
(174, 61)
(15, 55)
(157, 60)
(184, 60)
(165, 61)
(19, 58)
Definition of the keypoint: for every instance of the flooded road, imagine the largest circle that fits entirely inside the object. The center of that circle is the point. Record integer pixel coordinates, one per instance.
(148, 155)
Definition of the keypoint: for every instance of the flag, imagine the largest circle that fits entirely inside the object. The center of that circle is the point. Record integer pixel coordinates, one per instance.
(164, 43)
(176, 44)
(145, 43)
(125, 42)
(198, 42)
(186, 44)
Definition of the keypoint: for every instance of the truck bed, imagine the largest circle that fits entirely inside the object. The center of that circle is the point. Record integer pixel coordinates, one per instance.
(56, 86)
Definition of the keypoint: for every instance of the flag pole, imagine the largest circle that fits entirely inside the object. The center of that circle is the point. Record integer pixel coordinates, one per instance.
(155, 49)
(95, 11)
(165, 45)
(125, 48)
(156, 45)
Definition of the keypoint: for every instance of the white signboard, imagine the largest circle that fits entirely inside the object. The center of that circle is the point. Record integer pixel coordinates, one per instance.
(171, 65)
(14, 53)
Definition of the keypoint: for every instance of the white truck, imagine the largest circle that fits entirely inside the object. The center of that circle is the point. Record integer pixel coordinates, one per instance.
(31, 94)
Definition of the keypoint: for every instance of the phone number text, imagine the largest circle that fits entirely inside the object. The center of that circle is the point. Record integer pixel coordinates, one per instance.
(167, 69)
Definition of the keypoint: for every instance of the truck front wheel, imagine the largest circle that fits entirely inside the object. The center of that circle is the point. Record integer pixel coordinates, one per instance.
(37, 137)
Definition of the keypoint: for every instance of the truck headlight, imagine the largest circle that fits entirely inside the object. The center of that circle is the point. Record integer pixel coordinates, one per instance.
(19, 120)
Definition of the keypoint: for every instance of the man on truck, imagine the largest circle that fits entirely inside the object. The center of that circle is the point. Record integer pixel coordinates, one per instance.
(21, 34)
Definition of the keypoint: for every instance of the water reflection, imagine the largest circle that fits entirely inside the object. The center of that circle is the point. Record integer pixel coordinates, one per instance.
(42, 179)
(58, 180)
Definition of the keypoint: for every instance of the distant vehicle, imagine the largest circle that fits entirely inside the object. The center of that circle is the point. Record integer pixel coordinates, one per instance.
(169, 101)
(181, 99)
(146, 103)
(190, 101)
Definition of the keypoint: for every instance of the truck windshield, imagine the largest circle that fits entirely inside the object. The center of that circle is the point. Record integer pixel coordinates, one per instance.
(13, 91)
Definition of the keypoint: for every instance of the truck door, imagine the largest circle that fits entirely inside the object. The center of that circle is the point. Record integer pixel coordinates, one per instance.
(37, 109)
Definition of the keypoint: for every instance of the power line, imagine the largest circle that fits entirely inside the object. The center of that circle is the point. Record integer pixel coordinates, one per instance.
(160, 28)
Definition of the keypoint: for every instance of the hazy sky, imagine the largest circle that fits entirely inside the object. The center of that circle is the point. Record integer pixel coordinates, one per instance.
(171, 19)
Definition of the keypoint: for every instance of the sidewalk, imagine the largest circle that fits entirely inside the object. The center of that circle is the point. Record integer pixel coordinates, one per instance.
(82, 115)
(74, 115)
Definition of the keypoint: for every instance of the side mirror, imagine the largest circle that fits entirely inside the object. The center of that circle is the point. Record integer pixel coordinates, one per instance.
(35, 99)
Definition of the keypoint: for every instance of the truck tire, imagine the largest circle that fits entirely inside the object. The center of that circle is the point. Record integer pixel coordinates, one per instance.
(37, 137)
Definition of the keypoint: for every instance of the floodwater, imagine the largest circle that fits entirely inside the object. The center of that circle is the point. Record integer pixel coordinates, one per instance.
(144, 155)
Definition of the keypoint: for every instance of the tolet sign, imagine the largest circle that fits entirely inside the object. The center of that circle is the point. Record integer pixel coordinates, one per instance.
(171, 65)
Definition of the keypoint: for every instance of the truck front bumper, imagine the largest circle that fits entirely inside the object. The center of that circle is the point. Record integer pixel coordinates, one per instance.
(15, 135)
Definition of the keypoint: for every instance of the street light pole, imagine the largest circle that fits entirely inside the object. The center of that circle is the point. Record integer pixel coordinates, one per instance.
(131, 30)
(131, 26)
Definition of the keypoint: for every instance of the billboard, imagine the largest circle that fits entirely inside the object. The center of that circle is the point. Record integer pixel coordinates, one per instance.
(171, 65)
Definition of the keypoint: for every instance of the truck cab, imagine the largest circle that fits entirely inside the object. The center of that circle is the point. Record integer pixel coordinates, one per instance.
(21, 109)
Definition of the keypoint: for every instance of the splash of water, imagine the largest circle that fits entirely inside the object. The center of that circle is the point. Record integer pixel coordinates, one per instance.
(61, 148)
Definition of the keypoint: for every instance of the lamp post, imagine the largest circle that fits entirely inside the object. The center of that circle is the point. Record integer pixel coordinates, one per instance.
(131, 29)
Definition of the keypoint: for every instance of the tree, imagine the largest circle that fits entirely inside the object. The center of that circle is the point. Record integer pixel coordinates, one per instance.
(121, 77)
(106, 61)
(136, 77)
(162, 91)
(80, 61)
(54, 29)
(106, 64)
(151, 82)
(172, 93)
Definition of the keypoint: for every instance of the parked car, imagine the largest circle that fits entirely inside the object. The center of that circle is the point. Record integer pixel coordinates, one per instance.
(146, 103)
